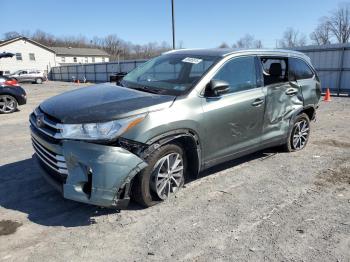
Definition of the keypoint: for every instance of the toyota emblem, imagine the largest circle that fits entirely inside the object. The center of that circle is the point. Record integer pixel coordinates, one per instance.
(40, 120)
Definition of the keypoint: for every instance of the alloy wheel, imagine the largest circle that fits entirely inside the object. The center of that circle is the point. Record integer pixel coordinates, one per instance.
(7, 104)
(300, 134)
(168, 175)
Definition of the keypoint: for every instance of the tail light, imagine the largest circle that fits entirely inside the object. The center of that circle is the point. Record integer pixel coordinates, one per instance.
(10, 82)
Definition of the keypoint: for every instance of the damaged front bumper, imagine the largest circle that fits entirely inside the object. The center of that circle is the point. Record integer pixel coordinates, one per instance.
(89, 173)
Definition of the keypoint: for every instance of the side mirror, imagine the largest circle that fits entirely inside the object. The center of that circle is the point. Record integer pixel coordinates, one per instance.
(217, 88)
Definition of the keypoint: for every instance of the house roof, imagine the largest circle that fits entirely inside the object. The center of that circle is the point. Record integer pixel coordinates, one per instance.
(74, 51)
(6, 42)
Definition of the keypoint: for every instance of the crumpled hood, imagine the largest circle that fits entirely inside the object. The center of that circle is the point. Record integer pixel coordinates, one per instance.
(103, 102)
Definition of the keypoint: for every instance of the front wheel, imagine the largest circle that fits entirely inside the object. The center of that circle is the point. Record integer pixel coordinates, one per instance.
(8, 104)
(164, 175)
(299, 134)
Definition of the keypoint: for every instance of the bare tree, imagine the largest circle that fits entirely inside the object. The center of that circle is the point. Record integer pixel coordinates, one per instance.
(247, 41)
(180, 44)
(258, 44)
(112, 44)
(11, 34)
(244, 42)
(322, 34)
(116, 47)
(339, 23)
(292, 38)
(223, 45)
(43, 38)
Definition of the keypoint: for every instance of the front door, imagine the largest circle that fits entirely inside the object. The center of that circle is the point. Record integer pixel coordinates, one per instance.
(233, 121)
(23, 76)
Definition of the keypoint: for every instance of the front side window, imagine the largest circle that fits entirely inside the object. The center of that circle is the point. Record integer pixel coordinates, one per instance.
(31, 57)
(240, 73)
(170, 73)
(19, 56)
(300, 69)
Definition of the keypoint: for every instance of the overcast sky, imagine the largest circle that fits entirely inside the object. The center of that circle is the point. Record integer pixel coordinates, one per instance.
(199, 23)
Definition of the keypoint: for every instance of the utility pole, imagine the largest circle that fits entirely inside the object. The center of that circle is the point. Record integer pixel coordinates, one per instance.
(173, 22)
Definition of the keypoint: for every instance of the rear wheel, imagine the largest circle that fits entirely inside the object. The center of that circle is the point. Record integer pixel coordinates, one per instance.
(8, 104)
(38, 81)
(299, 134)
(164, 175)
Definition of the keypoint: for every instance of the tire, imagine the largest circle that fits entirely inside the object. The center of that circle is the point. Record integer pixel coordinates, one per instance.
(8, 104)
(144, 188)
(38, 81)
(299, 134)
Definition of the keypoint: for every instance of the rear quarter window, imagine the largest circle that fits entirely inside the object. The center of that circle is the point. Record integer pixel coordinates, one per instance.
(300, 69)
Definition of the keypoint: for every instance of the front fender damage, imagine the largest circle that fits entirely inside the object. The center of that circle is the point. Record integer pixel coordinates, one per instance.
(97, 173)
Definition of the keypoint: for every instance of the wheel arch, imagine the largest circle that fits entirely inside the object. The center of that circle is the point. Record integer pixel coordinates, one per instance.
(187, 139)
(310, 111)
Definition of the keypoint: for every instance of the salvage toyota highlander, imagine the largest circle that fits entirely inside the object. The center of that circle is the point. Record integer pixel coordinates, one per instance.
(175, 115)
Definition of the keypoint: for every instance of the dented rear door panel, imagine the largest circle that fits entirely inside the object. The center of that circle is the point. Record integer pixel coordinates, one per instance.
(311, 91)
(282, 101)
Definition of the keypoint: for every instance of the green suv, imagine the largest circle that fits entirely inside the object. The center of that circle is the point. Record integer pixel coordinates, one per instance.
(172, 117)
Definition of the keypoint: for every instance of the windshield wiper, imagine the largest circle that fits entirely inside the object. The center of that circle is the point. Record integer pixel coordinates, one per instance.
(147, 89)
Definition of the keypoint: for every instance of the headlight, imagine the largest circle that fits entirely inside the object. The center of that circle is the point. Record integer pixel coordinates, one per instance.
(100, 131)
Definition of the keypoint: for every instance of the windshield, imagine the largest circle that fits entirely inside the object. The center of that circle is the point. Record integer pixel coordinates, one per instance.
(17, 72)
(172, 74)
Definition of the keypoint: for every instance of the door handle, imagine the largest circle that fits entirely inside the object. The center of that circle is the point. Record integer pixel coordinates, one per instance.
(257, 102)
(291, 91)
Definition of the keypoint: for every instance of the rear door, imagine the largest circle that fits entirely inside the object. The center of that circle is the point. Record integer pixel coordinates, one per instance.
(283, 98)
(233, 121)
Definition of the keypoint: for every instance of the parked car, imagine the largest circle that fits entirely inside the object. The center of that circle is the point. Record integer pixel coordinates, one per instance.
(11, 95)
(5, 55)
(29, 75)
(174, 116)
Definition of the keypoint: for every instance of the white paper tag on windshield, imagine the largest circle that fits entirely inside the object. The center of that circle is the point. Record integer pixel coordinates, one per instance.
(192, 60)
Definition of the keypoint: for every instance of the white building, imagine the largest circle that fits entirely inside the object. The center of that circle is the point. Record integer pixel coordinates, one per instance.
(73, 55)
(28, 55)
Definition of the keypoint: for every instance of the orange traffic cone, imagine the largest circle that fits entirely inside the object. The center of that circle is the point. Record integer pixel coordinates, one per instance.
(327, 97)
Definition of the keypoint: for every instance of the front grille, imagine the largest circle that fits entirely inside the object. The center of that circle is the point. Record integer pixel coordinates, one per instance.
(45, 124)
(54, 161)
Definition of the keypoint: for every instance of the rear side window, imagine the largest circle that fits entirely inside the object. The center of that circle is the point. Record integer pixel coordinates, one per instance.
(300, 69)
(240, 73)
(274, 69)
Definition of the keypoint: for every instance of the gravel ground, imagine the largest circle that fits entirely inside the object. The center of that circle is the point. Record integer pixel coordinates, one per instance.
(269, 206)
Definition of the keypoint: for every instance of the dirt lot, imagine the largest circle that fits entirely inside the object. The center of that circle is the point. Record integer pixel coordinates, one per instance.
(269, 206)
